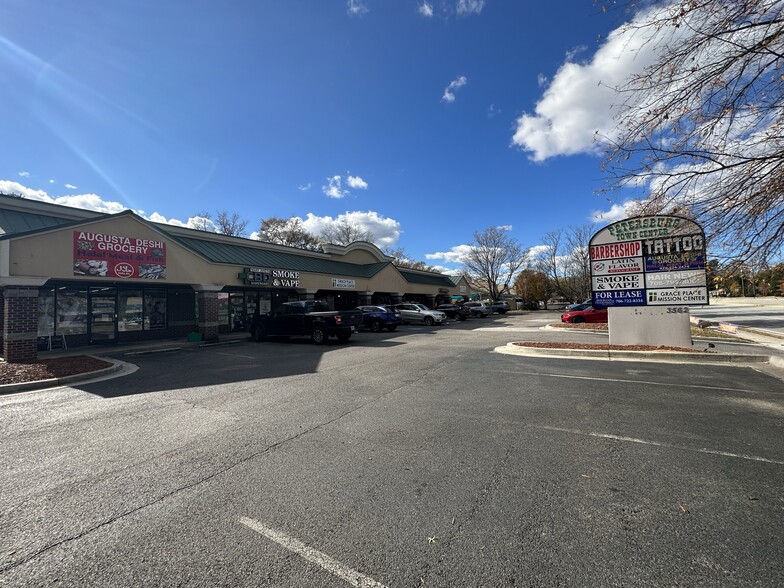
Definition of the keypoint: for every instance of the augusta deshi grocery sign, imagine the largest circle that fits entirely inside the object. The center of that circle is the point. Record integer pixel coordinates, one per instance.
(649, 261)
(113, 256)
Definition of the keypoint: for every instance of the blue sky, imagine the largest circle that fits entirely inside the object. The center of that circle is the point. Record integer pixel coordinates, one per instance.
(422, 121)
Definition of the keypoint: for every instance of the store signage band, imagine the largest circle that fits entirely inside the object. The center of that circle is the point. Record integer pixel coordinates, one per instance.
(657, 260)
(343, 283)
(100, 255)
(275, 278)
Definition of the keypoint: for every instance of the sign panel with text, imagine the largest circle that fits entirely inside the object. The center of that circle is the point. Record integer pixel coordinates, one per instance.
(101, 255)
(651, 260)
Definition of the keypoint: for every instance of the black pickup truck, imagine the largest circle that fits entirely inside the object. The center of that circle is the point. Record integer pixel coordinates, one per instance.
(306, 317)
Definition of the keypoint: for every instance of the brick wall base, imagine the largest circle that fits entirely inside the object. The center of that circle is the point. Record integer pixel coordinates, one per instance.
(20, 324)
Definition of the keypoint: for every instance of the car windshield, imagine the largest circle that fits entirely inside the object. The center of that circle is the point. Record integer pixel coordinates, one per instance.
(421, 307)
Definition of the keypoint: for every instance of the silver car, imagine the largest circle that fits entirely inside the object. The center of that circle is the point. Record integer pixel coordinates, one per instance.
(413, 312)
(479, 309)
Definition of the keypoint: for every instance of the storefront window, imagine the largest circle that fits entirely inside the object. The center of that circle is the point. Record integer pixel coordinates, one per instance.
(237, 309)
(46, 312)
(71, 311)
(131, 311)
(154, 309)
(223, 308)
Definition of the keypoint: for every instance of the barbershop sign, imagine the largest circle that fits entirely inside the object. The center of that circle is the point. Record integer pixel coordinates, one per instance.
(275, 278)
(101, 255)
(649, 261)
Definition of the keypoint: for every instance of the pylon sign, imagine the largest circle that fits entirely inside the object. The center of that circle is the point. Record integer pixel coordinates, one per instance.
(649, 261)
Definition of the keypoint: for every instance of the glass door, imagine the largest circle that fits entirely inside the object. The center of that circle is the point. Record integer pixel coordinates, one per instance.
(103, 315)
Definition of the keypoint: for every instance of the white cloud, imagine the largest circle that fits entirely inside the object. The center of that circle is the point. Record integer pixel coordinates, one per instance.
(580, 99)
(356, 182)
(24, 174)
(386, 231)
(356, 7)
(97, 204)
(470, 6)
(449, 94)
(305, 187)
(51, 181)
(493, 111)
(334, 188)
(426, 9)
(542, 80)
(457, 254)
(70, 186)
(449, 271)
(505, 228)
(617, 212)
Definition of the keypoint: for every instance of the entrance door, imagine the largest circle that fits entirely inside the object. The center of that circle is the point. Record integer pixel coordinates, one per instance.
(103, 315)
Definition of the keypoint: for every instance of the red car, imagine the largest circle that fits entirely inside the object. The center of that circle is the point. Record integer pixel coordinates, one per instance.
(592, 314)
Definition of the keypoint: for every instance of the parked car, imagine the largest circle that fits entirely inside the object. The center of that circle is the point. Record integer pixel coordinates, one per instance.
(500, 306)
(479, 308)
(574, 306)
(413, 312)
(592, 314)
(311, 318)
(455, 311)
(377, 318)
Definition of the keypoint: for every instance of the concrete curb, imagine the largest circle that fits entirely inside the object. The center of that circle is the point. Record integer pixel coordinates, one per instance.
(653, 356)
(116, 366)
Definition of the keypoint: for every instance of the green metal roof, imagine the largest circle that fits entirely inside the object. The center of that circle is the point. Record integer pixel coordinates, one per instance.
(429, 279)
(13, 221)
(256, 257)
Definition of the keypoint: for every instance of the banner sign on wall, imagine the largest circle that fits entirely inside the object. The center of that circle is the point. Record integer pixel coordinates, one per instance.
(652, 260)
(114, 256)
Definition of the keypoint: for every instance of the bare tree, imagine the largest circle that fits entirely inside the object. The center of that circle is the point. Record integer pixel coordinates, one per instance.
(402, 260)
(565, 260)
(344, 232)
(494, 259)
(231, 224)
(289, 232)
(702, 127)
(202, 221)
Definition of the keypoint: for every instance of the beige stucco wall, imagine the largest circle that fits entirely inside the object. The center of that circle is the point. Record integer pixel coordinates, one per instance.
(50, 255)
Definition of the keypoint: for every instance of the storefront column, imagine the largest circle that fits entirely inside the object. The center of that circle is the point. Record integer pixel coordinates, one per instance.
(307, 294)
(365, 298)
(397, 297)
(207, 299)
(430, 301)
(20, 324)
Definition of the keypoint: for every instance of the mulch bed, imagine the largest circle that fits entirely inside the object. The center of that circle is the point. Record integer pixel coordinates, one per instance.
(600, 347)
(46, 369)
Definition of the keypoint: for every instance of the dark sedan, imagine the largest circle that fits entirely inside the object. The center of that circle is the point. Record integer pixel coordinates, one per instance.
(377, 318)
(455, 311)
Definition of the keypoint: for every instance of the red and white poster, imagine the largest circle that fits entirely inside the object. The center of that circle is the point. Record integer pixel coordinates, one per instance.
(114, 256)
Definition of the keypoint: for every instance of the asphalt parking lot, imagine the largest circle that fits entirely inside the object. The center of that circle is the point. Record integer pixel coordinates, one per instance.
(414, 458)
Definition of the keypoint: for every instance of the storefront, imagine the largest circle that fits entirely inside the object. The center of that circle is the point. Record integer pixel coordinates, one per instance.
(79, 278)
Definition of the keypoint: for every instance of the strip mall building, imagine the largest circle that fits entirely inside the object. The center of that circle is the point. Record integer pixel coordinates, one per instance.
(84, 278)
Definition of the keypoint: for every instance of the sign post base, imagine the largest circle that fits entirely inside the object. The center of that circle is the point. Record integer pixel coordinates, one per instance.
(649, 325)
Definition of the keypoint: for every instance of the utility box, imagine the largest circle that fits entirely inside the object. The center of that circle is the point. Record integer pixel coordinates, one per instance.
(650, 325)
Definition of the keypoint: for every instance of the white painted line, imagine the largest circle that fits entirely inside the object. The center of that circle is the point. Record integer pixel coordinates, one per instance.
(658, 444)
(333, 566)
(671, 385)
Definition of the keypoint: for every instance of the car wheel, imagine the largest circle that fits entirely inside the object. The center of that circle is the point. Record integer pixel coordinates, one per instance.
(344, 336)
(429, 321)
(375, 326)
(319, 336)
(259, 334)
(392, 328)
(578, 319)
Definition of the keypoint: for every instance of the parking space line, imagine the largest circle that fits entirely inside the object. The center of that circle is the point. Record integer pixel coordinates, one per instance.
(622, 381)
(657, 444)
(329, 564)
